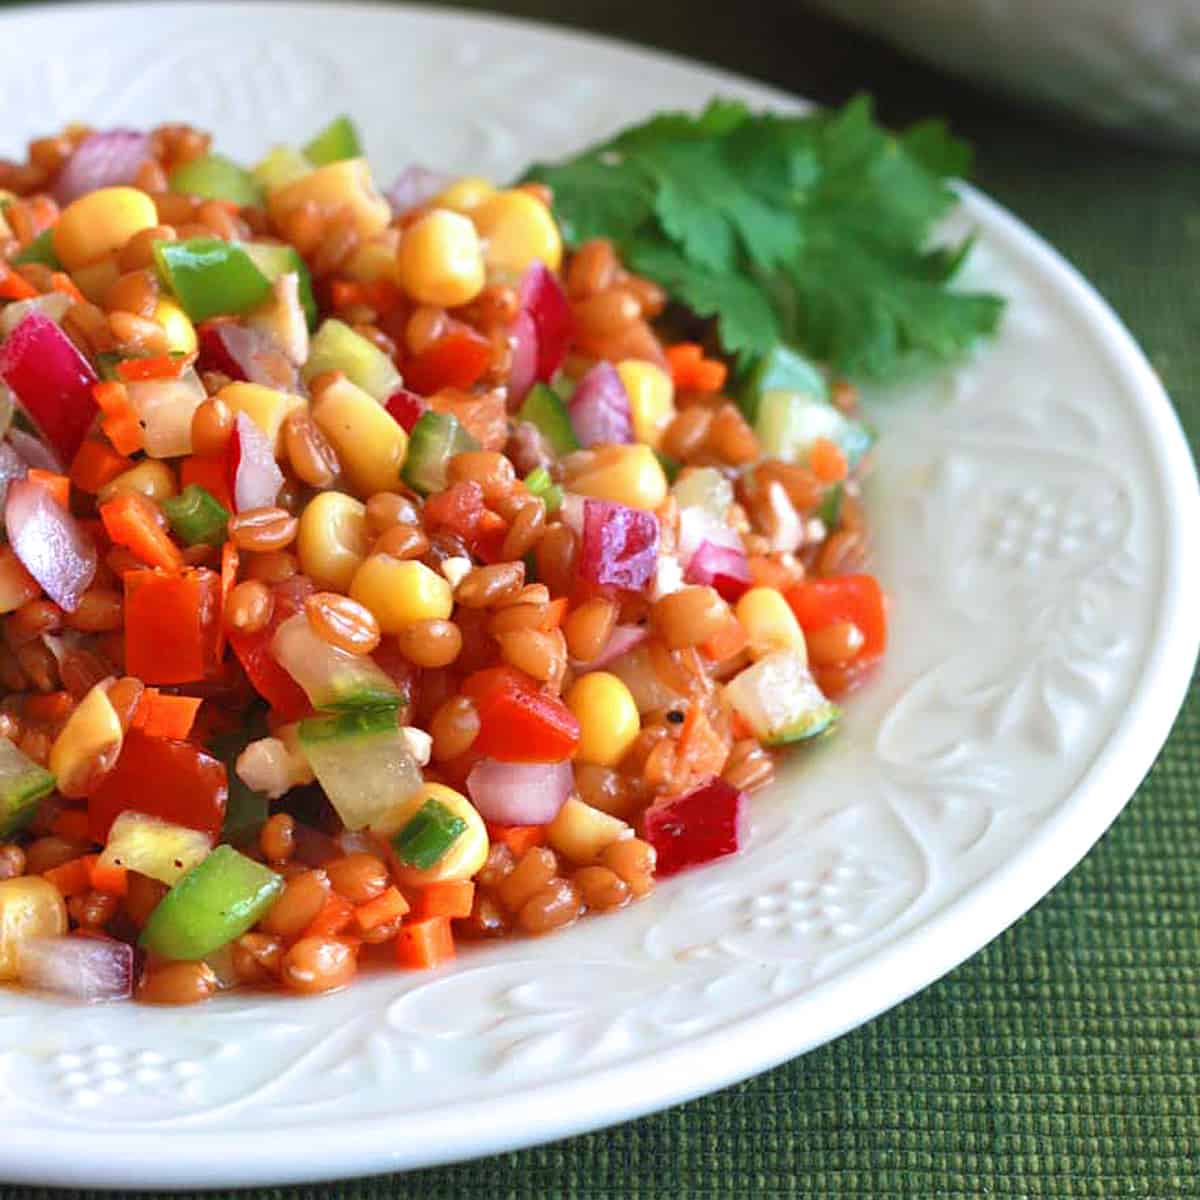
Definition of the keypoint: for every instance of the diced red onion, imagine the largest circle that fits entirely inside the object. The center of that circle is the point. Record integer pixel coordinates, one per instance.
(542, 296)
(51, 544)
(416, 185)
(620, 545)
(697, 526)
(11, 467)
(33, 452)
(623, 639)
(102, 160)
(254, 476)
(51, 381)
(721, 567)
(599, 408)
(406, 407)
(246, 354)
(86, 968)
(523, 371)
(704, 824)
(519, 793)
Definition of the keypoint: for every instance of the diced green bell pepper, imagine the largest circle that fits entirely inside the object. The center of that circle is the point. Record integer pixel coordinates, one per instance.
(336, 347)
(211, 278)
(543, 408)
(538, 483)
(22, 784)
(215, 177)
(215, 902)
(424, 841)
(339, 139)
(274, 259)
(435, 439)
(196, 516)
(40, 250)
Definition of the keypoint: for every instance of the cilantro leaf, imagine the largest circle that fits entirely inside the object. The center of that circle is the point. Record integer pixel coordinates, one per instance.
(814, 229)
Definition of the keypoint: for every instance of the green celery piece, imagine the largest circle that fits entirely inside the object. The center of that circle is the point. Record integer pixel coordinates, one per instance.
(40, 250)
(543, 408)
(22, 784)
(218, 900)
(782, 369)
(282, 166)
(336, 347)
(215, 177)
(274, 259)
(197, 516)
(210, 277)
(435, 439)
(424, 841)
(338, 140)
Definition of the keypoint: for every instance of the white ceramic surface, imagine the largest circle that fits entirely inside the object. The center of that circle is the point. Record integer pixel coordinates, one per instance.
(1131, 64)
(1031, 509)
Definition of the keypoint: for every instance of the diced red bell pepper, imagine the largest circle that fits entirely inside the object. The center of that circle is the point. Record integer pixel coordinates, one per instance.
(406, 408)
(171, 624)
(695, 828)
(286, 697)
(819, 603)
(175, 781)
(518, 723)
(457, 360)
(209, 472)
(457, 510)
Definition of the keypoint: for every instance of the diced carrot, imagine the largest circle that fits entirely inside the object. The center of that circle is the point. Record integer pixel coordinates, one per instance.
(165, 716)
(96, 464)
(451, 898)
(111, 398)
(518, 838)
(385, 907)
(72, 824)
(336, 913)
(13, 287)
(109, 878)
(683, 356)
(72, 878)
(230, 560)
(555, 611)
(59, 486)
(161, 366)
(49, 707)
(827, 460)
(130, 522)
(425, 943)
(708, 376)
(61, 282)
(739, 726)
(700, 746)
(125, 432)
(729, 640)
(209, 472)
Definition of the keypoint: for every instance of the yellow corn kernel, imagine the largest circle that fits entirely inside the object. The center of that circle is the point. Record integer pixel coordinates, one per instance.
(651, 399)
(607, 715)
(265, 406)
(468, 851)
(30, 907)
(401, 591)
(332, 540)
(375, 259)
(465, 194)
(769, 623)
(517, 229)
(181, 333)
(150, 477)
(100, 223)
(370, 443)
(96, 278)
(440, 260)
(92, 733)
(581, 833)
(340, 185)
(629, 475)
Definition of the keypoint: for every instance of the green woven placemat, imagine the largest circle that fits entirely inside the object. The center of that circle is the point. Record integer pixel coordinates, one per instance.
(1061, 1061)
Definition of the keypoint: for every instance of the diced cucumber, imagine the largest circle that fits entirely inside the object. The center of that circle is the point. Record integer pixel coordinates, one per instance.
(339, 139)
(778, 698)
(435, 439)
(215, 902)
(543, 408)
(782, 370)
(282, 166)
(161, 849)
(215, 177)
(336, 347)
(22, 784)
(332, 678)
(789, 422)
(363, 763)
(275, 260)
(705, 488)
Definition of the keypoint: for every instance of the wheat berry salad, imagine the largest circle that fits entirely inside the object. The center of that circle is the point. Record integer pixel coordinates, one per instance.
(386, 570)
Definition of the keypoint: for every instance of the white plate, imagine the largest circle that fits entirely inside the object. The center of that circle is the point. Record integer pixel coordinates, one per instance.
(1030, 508)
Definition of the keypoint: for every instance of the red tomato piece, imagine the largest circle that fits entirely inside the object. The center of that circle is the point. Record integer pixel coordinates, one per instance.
(285, 696)
(457, 510)
(171, 624)
(406, 407)
(819, 603)
(455, 360)
(518, 723)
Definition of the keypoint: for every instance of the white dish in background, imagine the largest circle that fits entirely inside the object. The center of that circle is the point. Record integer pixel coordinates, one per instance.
(1030, 509)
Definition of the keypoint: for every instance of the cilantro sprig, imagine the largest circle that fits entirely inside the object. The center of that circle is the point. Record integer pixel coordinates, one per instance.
(813, 230)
